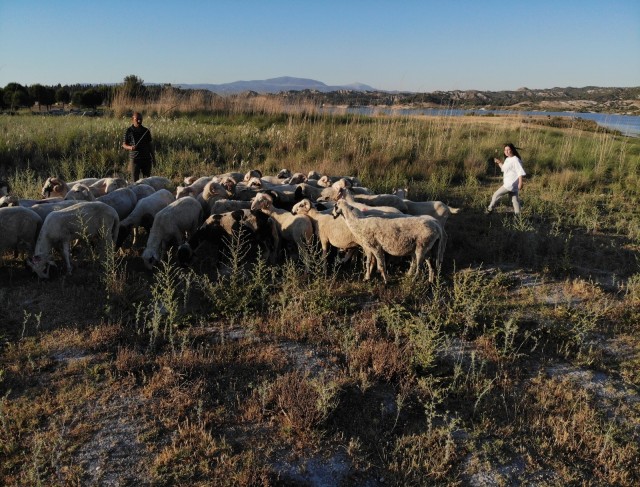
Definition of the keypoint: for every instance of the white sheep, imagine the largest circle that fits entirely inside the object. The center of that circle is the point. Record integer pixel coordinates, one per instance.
(156, 182)
(169, 226)
(293, 228)
(437, 209)
(396, 236)
(123, 200)
(43, 209)
(142, 190)
(82, 220)
(19, 228)
(253, 173)
(55, 186)
(224, 206)
(377, 200)
(107, 185)
(143, 214)
(13, 200)
(328, 230)
(80, 192)
(193, 189)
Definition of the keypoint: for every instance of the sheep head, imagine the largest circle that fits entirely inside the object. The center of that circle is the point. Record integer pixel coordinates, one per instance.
(182, 191)
(229, 184)
(184, 254)
(324, 181)
(254, 182)
(338, 209)
(301, 207)
(41, 265)
(298, 178)
(254, 173)
(342, 183)
(190, 180)
(150, 258)
(9, 200)
(261, 201)
(284, 174)
(80, 192)
(53, 185)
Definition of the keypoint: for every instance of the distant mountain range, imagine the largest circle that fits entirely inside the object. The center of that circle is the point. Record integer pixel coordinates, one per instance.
(275, 85)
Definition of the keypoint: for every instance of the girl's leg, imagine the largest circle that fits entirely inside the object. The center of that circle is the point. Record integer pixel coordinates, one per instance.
(496, 196)
(516, 202)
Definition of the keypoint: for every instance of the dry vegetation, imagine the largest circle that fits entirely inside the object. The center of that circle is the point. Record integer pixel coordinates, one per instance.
(518, 366)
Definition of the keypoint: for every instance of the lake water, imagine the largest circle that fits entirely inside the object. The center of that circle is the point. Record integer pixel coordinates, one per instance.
(626, 124)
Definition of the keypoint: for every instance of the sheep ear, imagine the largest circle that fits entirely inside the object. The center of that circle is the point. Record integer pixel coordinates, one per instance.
(237, 215)
(298, 194)
(259, 173)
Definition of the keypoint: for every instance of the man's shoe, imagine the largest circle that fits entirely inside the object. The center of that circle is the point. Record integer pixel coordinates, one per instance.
(488, 211)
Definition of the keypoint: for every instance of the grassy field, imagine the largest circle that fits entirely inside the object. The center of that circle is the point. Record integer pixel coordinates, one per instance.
(518, 366)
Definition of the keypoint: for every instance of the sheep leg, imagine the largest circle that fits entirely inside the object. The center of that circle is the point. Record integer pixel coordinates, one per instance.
(381, 263)
(66, 254)
(430, 269)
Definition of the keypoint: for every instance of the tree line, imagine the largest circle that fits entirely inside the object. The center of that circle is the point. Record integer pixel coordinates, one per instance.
(15, 96)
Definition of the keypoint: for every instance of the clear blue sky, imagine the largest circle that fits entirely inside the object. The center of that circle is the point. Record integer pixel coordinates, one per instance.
(393, 45)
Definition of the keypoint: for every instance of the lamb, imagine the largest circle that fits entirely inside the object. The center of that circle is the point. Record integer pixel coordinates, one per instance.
(365, 208)
(55, 186)
(328, 230)
(80, 192)
(83, 219)
(236, 176)
(296, 178)
(395, 236)
(13, 200)
(214, 191)
(19, 227)
(293, 228)
(123, 200)
(194, 189)
(328, 181)
(143, 214)
(142, 190)
(253, 173)
(169, 226)
(437, 209)
(254, 226)
(107, 185)
(376, 200)
(156, 182)
(224, 206)
(43, 209)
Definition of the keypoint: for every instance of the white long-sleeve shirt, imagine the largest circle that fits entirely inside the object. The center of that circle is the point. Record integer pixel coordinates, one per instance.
(511, 172)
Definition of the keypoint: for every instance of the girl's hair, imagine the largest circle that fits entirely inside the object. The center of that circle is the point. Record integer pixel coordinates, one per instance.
(514, 149)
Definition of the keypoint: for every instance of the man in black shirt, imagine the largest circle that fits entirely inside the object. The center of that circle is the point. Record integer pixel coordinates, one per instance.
(137, 140)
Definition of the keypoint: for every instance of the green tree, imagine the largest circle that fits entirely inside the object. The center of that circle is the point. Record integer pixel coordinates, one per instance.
(63, 96)
(15, 96)
(44, 95)
(90, 98)
(133, 87)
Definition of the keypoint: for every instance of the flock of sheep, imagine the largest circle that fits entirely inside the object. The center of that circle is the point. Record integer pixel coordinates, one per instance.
(276, 213)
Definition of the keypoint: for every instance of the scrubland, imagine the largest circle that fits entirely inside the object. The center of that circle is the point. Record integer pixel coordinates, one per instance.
(517, 366)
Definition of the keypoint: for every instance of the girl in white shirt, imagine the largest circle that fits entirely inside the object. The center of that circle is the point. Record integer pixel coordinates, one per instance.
(512, 177)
